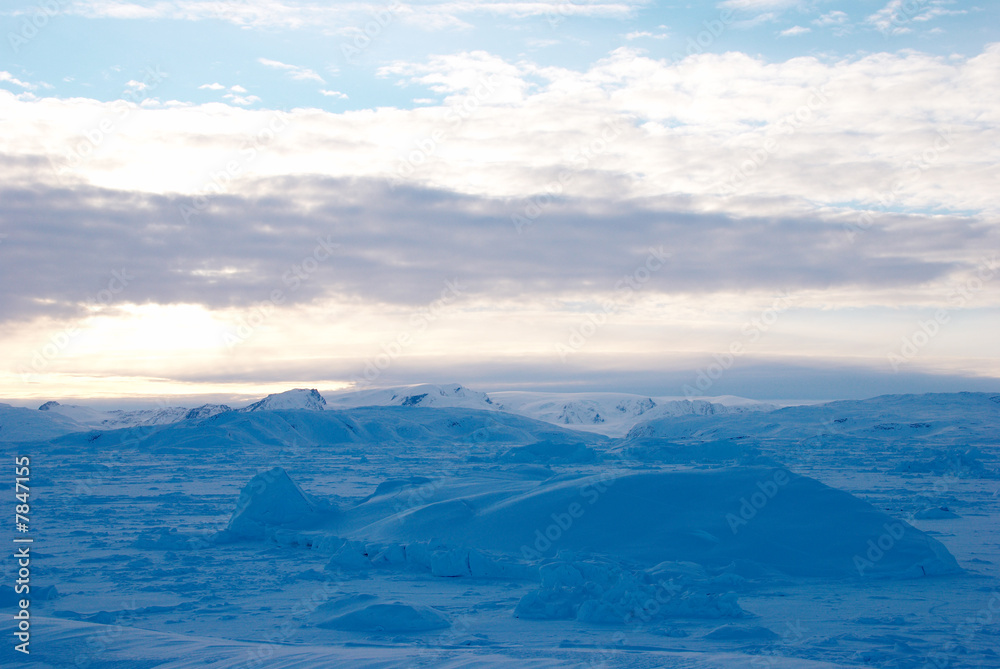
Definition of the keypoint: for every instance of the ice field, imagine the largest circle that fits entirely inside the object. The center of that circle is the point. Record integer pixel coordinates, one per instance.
(438, 526)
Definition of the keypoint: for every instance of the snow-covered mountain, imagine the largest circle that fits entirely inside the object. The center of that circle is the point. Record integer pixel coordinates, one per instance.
(118, 418)
(957, 418)
(423, 395)
(614, 414)
(611, 414)
(299, 399)
(21, 424)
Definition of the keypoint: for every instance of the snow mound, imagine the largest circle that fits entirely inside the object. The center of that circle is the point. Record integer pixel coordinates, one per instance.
(299, 399)
(423, 395)
(271, 500)
(602, 592)
(550, 452)
(763, 519)
(360, 614)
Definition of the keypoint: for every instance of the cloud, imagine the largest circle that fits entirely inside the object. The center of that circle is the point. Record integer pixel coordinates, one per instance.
(646, 34)
(834, 18)
(241, 100)
(333, 94)
(345, 18)
(296, 72)
(760, 5)
(898, 16)
(11, 79)
(904, 132)
(794, 30)
(413, 239)
(212, 87)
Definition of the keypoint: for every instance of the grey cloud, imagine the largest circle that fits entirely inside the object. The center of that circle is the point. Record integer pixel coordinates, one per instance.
(399, 245)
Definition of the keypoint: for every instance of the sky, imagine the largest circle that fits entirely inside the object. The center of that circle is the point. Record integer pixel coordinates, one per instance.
(767, 198)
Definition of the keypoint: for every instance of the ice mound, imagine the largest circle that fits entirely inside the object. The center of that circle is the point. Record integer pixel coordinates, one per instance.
(272, 500)
(363, 613)
(550, 452)
(595, 591)
(291, 400)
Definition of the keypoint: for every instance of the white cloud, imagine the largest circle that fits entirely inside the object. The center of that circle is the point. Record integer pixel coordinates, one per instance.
(136, 85)
(237, 89)
(341, 18)
(795, 30)
(212, 87)
(333, 94)
(294, 71)
(241, 100)
(645, 34)
(897, 17)
(760, 5)
(11, 79)
(686, 128)
(834, 18)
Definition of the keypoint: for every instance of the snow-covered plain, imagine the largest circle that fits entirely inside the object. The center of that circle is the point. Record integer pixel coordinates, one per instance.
(443, 527)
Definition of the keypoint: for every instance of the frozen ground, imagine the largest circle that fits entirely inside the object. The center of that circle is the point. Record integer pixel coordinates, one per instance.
(450, 536)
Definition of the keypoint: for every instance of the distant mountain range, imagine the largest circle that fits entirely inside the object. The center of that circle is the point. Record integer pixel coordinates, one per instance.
(610, 414)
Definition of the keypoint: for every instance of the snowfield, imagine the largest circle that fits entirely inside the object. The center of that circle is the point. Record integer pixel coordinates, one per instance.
(439, 526)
